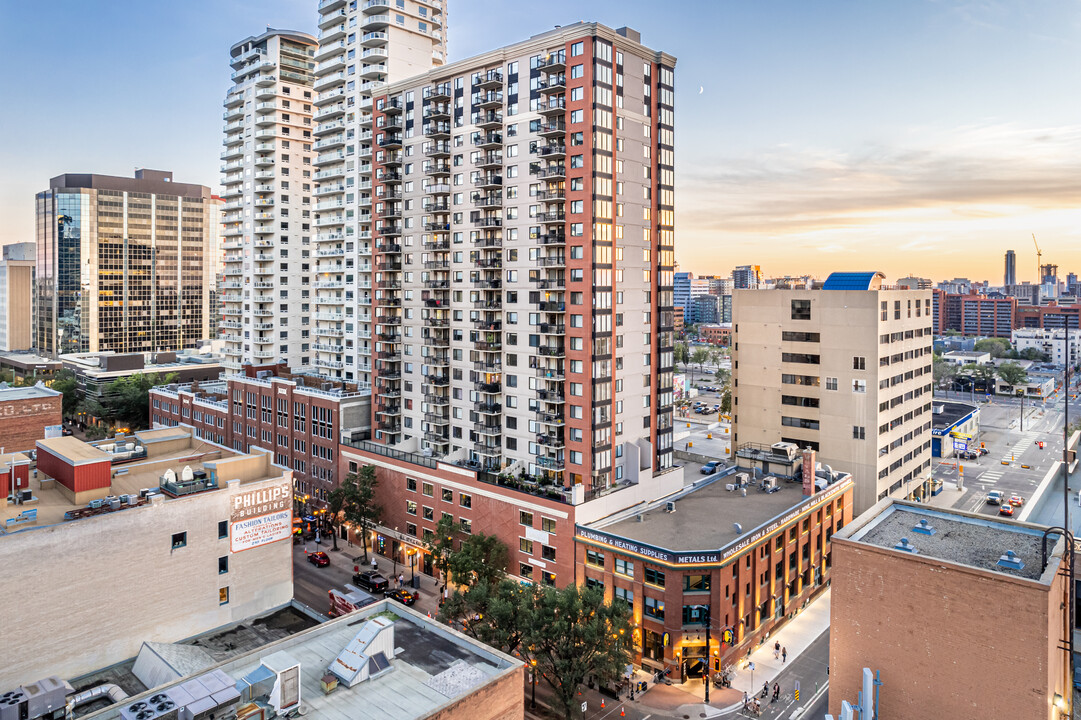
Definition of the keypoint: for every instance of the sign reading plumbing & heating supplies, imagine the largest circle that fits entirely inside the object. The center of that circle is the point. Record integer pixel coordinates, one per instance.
(261, 516)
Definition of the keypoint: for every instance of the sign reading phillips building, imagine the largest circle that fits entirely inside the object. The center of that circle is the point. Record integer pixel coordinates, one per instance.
(259, 517)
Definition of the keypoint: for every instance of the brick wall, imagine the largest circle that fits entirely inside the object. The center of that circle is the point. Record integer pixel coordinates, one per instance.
(951, 642)
(22, 422)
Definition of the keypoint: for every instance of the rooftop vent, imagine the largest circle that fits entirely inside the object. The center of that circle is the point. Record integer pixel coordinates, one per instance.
(1010, 560)
(906, 546)
(739, 528)
(670, 506)
(924, 528)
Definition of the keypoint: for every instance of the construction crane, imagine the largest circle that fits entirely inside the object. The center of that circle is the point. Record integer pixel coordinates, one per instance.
(1039, 267)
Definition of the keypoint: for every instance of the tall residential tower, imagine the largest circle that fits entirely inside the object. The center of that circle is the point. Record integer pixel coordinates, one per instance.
(1010, 277)
(363, 45)
(267, 174)
(523, 260)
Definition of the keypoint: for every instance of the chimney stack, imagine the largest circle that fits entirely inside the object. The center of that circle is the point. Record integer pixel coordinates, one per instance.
(809, 472)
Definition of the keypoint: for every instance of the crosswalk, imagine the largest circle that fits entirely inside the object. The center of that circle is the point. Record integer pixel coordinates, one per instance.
(990, 477)
(1020, 447)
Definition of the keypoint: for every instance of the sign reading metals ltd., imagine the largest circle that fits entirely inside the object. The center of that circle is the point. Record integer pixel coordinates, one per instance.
(261, 516)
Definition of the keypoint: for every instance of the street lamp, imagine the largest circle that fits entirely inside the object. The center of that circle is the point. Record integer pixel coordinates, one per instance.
(533, 675)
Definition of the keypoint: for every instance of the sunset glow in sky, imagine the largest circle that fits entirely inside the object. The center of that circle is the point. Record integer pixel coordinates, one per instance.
(920, 137)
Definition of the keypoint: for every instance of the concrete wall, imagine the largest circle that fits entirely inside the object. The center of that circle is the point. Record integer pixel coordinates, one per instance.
(113, 581)
(951, 641)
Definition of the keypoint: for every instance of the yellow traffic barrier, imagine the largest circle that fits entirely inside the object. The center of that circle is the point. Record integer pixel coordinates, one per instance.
(1005, 462)
(709, 436)
(690, 445)
(726, 451)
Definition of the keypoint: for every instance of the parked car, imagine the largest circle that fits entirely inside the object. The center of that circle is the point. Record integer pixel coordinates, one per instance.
(711, 467)
(319, 559)
(995, 497)
(1006, 509)
(403, 596)
(371, 581)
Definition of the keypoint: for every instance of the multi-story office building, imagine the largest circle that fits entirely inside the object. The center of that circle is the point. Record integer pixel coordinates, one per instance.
(522, 286)
(686, 287)
(267, 175)
(971, 314)
(17, 296)
(125, 264)
(1010, 275)
(363, 45)
(915, 283)
(707, 308)
(846, 371)
(746, 277)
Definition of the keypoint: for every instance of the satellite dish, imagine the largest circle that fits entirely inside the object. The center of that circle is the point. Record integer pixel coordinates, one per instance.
(739, 528)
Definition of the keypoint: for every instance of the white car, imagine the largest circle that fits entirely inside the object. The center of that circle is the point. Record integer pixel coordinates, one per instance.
(996, 497)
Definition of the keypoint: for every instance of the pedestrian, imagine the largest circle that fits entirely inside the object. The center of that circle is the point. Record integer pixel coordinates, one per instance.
(784, 654)
(375, 565)
(777, 650)
(776, 692)
(746, 698)
(401, 580)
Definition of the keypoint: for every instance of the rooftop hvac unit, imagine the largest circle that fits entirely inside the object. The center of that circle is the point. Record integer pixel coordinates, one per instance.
(261, 374)
(742, 478)
(770, 483)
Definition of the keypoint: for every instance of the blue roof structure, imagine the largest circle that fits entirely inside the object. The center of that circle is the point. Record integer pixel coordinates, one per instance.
(854, 281)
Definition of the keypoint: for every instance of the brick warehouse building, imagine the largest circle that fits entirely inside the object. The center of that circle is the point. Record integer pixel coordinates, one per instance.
(25, 412)
(536, 523)
(680, 553)
(300, 418)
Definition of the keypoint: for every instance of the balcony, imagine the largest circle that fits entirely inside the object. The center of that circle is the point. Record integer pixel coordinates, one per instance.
(554, 171)
(551, 128)
(552, 238)
(488, 180)
(485, 449)
(488, 222)
(437, 130)
(554, 62)
(488, 408)
(437, 111)
(485, 100)
(437, 149)
(490, 119)
(438, 93)
(488, 140)
(555, 106)
(552, 150)
(552, 328)
(391, 140)
(551, 396)
(490, 159)
(552, 351)
(547, 418)
(491, 80)
(487, 428)
(554, 83)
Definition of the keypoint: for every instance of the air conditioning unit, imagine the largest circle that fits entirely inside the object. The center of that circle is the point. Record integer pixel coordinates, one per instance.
(770, 483)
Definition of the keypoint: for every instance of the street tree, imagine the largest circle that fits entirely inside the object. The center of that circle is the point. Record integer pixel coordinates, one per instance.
(499, 614)
(699, 357)
(64, 382)
(359, 506)
(943, 372)
(1012, 375)
(680, 354)
(726, 399)
(440, 546)
(336, 501)
(479, 558)
(126, 400)
(982, 375)
(997, 346)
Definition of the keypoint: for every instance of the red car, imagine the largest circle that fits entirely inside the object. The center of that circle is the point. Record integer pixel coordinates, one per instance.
(1006, 509)
(319, 559)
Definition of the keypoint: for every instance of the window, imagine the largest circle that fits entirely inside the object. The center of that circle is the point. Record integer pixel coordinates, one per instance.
(594, 558)
(594, 584)
(465, 501)
(577, 49)
(410, 507)
(695, 583)
(831, 383)
(223, 565)
(525, 570)
(429, 513)
(548, 525)
(859, 363)
(548, 553)
(694, 614)
(801, 309)
(859, 386)
(626, 596)
(180, 540)
(223, 596)
(223, 529)
(466, 525)
(427, 490)
(655, 577)
(799, 423)
(859, 432)
(548, 578)
(800, 358)
(624, 567)
(525, 545)
(411, 484)
(800, 336)
(654, 608)
(448, 495)
(525, 518)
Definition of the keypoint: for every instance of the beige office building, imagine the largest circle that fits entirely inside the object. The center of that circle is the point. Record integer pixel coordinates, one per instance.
(267, 176)
(844, 370)
(17, 296)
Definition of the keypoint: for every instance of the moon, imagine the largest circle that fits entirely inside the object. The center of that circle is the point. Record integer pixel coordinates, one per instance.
(701, 89)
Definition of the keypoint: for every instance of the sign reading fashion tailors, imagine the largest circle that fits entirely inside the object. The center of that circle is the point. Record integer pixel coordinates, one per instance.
(259, 517)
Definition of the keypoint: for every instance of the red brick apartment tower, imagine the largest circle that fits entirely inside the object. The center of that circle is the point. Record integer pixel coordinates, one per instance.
(523, 204)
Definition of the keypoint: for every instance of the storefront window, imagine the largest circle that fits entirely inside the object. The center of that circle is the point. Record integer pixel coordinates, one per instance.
(653, 646)
(526, 571)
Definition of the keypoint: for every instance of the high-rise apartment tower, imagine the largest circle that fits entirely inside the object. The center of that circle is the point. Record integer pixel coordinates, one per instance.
(267, 295)
(1010, 277)
(125, 264)
(522, 278)
(363, 45)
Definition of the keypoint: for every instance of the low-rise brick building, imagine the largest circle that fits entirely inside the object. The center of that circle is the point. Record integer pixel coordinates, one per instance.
(300, 418)
(958, 611)
(25, 412)
(752, 557)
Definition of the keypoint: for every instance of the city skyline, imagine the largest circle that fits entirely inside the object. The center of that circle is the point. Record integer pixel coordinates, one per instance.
(929, 132)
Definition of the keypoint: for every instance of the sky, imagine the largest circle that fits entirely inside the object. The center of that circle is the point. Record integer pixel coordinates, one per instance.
(915, 137)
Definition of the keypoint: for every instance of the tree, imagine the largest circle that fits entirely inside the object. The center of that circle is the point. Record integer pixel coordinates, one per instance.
(699, 357)
(64, 382)
(982, 375)
(570, 633)
(1012, 375)
(680, 355)
(480, 558)
(127, 400)
(359, 506)
(943, 372)
(336, 500)
(996, 346)
(441, 547)
(1034, 355)
(575, 634)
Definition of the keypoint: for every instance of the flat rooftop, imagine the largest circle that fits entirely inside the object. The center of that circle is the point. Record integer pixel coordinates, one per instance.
(73, 449)
(432, 666)
(167, 448)
(705, 517)
(8, 394)
(974, 540)
(951, 413)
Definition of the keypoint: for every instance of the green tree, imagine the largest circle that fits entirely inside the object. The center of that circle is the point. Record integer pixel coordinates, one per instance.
(336, 500)
(359, 507)
(127, 400)
(726, 399)
(983, 375)
(1034, 355)
(498, 614)
(699, 357)
(1012, 375)
(441, 547)
(943, 372)
(680, 354)
(96, 432)
(64, 382)
(996, 346)
(479, 558)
